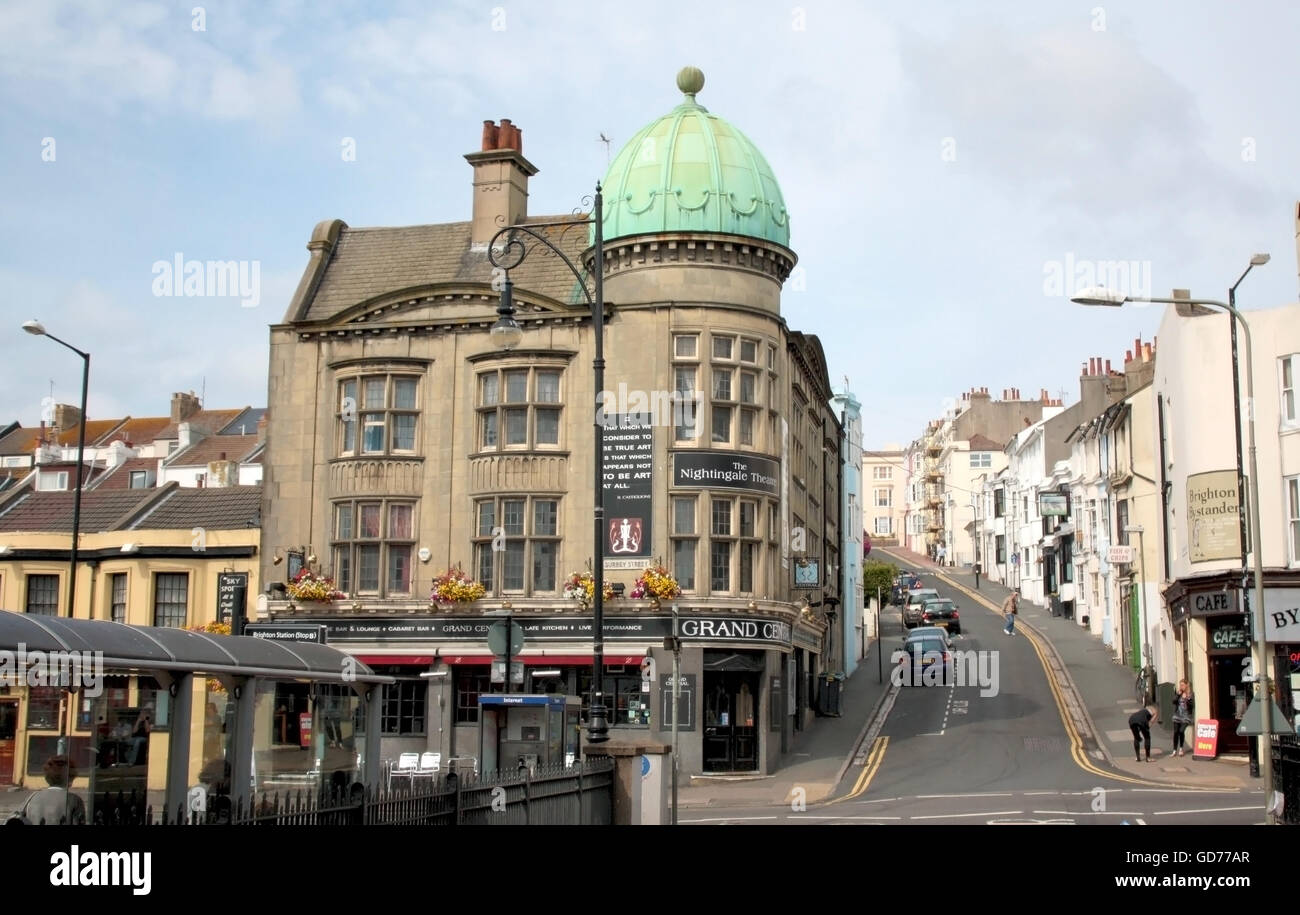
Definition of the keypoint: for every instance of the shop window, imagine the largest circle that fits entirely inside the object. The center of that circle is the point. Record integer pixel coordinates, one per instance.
(470, 684)
(43, 708)
(625, 704)
(403, 708)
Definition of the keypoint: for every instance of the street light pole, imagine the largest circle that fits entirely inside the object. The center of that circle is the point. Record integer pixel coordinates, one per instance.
(1257, 260)
(37, 329)
(506, 333)
(1264, 687)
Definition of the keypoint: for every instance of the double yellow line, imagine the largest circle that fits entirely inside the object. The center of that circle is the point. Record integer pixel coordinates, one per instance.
(869, 769)
(1077, 751)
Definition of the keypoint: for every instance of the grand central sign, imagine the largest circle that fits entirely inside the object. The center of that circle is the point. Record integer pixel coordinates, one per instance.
(758, 631)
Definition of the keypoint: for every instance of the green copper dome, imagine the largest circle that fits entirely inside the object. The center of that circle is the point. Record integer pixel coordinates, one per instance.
(691, 171)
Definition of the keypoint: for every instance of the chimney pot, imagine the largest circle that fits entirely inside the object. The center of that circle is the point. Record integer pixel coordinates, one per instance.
(1128, 356)
(1108, 367)
(489, 135)
(1146, 352)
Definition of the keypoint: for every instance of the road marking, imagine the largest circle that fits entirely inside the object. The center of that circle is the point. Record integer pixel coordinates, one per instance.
(1165, 813)
(953, 816)
(1091, 813)
(1030, 822)
(869, 771)
(1076, 740)
(927, 797)
(726, 819)
(1140, 822)
(845, 817)
(1041, 793)
(1183, 791)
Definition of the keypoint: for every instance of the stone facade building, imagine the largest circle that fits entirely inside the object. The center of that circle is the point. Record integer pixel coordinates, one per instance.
(402, 443)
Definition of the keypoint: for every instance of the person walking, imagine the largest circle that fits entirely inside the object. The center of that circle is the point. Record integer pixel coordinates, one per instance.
(1010, 609)
(1184, 707)
(1140, 724)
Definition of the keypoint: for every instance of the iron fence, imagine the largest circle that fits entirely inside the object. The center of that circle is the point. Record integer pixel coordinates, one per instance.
(576, 795)
(1286, 777)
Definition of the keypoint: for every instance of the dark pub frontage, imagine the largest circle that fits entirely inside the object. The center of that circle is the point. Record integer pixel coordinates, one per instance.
(748, 678)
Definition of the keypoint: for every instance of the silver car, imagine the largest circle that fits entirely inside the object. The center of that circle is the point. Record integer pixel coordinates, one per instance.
(913, 604)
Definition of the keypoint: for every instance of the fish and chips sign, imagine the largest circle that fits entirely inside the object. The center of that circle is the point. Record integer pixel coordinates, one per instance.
(1213, 522)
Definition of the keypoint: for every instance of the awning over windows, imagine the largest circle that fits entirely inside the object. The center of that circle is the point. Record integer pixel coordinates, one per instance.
(146, 648)
(621, 659)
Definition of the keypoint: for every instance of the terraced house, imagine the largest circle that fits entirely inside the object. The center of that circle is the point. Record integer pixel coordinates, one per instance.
(402, 443)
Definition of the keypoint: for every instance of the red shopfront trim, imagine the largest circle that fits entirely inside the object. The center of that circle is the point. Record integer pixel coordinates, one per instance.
(576, 660)
(390, 660)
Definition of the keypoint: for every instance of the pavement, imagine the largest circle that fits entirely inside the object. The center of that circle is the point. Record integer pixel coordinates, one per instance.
(1098, 691)
(1095, 692)
(820, 755)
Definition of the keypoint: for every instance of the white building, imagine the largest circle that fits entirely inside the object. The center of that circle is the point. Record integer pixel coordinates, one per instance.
(1202, 561)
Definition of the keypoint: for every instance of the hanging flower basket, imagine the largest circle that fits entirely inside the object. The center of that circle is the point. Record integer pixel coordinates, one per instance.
(581, 586)
(655, 583)
(312, 586)
(455, 587)
(216, 628)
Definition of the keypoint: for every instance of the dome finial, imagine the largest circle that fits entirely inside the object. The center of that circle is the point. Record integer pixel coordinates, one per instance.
(690, 80)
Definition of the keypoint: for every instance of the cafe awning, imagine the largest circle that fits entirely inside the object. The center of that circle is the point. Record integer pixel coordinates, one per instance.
(122, 648)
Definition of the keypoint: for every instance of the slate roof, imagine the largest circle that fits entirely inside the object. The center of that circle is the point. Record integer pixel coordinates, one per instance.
(205, 451)
(52, 511)
(371, 262)
(172, 507)
(218, 508)
(245, 423)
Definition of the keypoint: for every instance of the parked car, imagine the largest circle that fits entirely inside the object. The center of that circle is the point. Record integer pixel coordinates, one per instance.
(927, 646)
(913, 603)
(941, 612)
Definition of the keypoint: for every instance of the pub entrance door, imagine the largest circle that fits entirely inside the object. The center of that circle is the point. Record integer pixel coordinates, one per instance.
(731, 685)
(8, 734)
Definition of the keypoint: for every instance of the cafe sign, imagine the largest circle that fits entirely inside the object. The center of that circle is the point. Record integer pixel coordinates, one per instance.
(1229, 638)
(1213, 522)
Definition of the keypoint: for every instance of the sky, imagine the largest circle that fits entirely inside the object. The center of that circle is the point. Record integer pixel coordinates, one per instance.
(952, 171)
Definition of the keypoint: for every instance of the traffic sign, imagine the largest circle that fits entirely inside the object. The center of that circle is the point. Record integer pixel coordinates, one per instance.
(497, 638)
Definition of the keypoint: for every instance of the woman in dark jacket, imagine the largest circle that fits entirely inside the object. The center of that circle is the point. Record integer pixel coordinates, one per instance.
(1184, 708)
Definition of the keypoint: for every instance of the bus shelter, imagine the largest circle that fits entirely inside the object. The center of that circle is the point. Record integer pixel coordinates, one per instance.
(191, 720)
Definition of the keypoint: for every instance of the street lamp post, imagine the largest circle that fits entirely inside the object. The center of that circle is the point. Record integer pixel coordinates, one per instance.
(1263, 691)
(1257, 261)
(36, 328)
(506, 334)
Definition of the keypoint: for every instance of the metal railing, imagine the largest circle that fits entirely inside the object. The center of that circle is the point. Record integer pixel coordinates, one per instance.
(1286, 776)
(576, 795)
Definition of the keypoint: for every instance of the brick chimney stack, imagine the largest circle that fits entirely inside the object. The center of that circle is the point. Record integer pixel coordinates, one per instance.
(501, 176)
(184, 406)
(66, 418)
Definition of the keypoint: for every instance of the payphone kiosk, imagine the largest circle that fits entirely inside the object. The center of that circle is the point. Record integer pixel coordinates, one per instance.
(517, 731)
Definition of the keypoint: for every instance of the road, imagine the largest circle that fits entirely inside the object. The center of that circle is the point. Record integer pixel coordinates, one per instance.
(988, 749)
